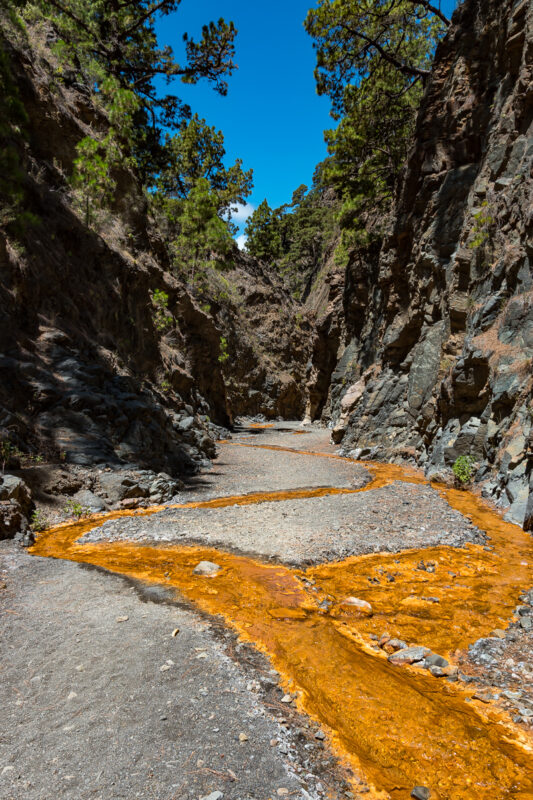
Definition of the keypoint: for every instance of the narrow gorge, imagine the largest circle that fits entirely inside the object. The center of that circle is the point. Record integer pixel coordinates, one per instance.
(266, 510)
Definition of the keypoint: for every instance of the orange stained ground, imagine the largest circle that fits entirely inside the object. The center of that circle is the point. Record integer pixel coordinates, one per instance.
(399, 727)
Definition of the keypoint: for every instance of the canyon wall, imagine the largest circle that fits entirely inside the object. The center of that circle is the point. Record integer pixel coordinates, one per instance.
(92, 372)
(436, 351)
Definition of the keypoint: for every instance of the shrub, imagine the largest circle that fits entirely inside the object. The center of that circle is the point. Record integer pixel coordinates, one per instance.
(224, 355)
(463, 469)
(38, 522)
(74, 509)
(163, 319)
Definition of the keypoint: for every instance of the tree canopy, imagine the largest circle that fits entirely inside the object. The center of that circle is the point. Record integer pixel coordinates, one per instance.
(373, 58)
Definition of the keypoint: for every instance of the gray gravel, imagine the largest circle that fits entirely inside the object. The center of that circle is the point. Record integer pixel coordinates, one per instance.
(241, 470)
(313, 530)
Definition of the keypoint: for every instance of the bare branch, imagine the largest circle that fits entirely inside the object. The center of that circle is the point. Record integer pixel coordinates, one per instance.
(434, 10)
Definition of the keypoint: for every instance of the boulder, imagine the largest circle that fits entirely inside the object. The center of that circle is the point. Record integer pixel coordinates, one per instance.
(13, 488)
(89, 500)
(12, 519)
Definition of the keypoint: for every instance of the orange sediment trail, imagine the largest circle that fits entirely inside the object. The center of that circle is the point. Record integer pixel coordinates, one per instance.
(399, 727)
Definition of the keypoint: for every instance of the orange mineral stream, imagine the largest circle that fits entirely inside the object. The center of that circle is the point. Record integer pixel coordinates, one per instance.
(397, 726)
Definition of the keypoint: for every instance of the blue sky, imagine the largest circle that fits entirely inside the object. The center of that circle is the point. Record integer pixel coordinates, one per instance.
(272, 117)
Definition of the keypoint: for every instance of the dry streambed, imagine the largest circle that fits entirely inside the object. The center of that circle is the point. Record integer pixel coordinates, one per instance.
(330, 630)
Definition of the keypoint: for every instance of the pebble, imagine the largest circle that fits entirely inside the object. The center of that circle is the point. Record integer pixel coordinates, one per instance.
(393, 645)
(409, 655)
(213, 796)
(287, 698)
(320, 735)
(282, 792)
(243, 737)
(360, 605)
(434, 660)
(122, 619)
(207, 568)
(437, 672)
(421, 793)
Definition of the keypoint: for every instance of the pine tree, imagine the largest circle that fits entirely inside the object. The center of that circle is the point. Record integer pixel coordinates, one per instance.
(263, 232)
(373, 59)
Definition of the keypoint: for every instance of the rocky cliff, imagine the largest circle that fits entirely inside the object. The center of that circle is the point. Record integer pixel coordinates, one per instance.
(436, 347)
(94, 373)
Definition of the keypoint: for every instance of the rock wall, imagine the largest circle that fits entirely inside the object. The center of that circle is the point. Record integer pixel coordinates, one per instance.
(268, 339)
(86, 375)
(437, 351)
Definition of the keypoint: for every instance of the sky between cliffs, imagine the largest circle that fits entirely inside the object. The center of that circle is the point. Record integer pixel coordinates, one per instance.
(272, 117)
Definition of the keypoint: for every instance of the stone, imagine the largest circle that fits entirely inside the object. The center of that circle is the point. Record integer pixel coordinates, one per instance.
(421, 793)
(437, 672)
(89, 500)
(207, 568)
(213, 796)
(434, 660)
(12, 519)
(320, 735)
(393, 645)
(409, 655)
(526, 623)
(14, 488)
(360, 605)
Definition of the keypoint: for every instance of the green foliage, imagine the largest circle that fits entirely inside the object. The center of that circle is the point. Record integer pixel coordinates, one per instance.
(482, 226)
(463, 469)
(202, 236)
(224, 355)
(295, 236)
(76, 510)
(197, 152)
(98, 159)
(373, 58)
(102, 39)
(162, 318)
(38, 521)
(263, 232)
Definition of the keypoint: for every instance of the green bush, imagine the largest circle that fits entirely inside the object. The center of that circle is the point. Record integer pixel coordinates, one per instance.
(38, 522)
(463, 469)
(76, 510)
(162, 317)
(224, 355)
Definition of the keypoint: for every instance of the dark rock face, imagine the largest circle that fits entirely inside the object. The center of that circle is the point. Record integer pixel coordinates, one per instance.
(87, 376)
(437, 351)
(15, 506)
(268, 342)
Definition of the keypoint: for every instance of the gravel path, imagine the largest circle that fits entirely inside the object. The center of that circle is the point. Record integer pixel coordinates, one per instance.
(241, 470)
(308, 531)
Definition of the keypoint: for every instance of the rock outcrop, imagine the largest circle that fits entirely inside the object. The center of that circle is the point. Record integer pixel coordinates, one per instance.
(92, 372)
(437, 351)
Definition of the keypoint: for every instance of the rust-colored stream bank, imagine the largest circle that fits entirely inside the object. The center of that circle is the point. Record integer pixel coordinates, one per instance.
(399, 727)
